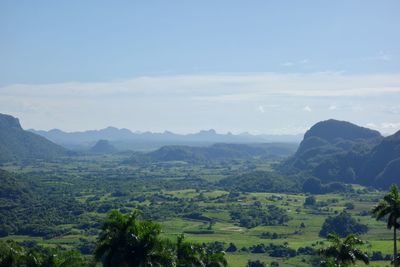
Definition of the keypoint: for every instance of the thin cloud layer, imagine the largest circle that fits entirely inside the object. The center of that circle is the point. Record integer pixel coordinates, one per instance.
(255, 102)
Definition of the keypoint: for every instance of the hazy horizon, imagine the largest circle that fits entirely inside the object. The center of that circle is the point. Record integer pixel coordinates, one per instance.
(155, 132)
(263, 68)
(134, 131)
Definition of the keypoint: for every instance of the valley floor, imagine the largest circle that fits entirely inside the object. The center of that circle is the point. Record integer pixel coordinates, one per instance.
(184, 198)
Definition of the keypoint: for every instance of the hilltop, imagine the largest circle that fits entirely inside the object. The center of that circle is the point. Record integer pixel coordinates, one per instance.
(17, 144)
(335, 150)
(103, 147)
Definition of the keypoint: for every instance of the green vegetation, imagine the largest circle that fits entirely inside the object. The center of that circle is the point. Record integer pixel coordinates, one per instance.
(250, 217)
(260, 181)
(13, 254)
(390, 208)
(216, 152)
(30, 209)
(343, 252)
(125, 241)
(19, 145)
(338, 151)
(181, 198)
(342, 224)
(235, 204)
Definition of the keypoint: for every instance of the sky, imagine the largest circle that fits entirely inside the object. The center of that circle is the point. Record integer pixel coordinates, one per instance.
(272, 67)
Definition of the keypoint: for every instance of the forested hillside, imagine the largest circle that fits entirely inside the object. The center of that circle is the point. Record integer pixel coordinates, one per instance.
(17, 144)
(216, 152)
(27, 208)
(341, 151)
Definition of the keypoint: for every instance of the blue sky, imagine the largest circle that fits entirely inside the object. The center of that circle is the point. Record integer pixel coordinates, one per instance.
(257, 66)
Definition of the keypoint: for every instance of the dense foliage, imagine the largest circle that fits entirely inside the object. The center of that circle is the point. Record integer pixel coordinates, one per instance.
(340, 151)
(13, 254)
(250, 217)
(342, 224)
(390, 208)
(129, 242)
(343, 252)
(28, 209)
(260, 181)
(124, 241)
(314, 186)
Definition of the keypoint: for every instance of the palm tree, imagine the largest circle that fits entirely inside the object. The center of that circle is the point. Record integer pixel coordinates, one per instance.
(213, 258)
(11, 254)
(390, 207)
(126, 242)
(343, 252)
(196, 255)
(188, 254)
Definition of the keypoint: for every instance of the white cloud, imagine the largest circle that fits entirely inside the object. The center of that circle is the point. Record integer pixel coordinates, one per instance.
(395, 109)
(390, 125)
(380, 56)
(385, 128)
(384, 56)
(229, 86)
(288, 64)
(357, 108)
(187, 103)
(295, 63)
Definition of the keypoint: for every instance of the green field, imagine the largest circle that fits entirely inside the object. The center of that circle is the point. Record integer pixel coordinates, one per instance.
(167, 193)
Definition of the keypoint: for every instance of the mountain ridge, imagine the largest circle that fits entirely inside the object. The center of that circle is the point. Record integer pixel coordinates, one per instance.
(335, 150)
(16, 144)
(124, 139)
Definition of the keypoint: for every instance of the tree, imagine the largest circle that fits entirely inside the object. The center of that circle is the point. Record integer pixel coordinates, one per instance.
(342, 224)
(310, 201)
(256, 263)
(196, 255)
(13, 254)
(213, 257)
(216, 259)
(188, 254)
(390, 208)
(343, 252)
(127, 242)
(231, 248)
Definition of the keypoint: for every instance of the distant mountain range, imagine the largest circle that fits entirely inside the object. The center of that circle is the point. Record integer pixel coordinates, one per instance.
(341, 151)
(17, 144)
(124, 139)
(331, 150)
